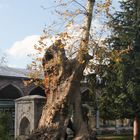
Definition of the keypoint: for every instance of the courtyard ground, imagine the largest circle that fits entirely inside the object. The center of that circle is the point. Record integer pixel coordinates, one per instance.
(119, 137)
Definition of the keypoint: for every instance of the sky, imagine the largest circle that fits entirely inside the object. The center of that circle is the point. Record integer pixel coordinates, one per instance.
(21, 24)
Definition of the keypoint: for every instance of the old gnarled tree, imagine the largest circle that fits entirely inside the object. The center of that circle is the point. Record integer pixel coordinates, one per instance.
(62, 85)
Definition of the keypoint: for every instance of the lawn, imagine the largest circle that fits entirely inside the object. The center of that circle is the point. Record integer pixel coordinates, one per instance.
(114, 137)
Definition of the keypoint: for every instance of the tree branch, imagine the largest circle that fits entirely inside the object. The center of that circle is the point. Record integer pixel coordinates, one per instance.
(80, 5)
(83, 51)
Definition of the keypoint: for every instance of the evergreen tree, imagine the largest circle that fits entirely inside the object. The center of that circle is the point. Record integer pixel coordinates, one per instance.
(5, 122)
(121, 95)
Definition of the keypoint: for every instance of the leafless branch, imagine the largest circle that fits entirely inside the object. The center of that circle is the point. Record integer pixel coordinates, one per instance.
(80, 5)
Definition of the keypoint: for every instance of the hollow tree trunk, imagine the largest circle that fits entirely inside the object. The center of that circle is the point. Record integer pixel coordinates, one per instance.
(81, 128)
(62, 84)
(65, 102)
(136, 128)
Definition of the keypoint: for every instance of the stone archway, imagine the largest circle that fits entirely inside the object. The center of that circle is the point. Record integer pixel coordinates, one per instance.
(24, 128)
(86, 96)
(37, 91)
(10, 92)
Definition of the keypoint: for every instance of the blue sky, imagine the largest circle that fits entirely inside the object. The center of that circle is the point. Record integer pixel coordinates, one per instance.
(21, 23)
(20, 19)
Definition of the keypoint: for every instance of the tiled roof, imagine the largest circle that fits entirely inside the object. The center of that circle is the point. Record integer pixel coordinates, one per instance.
(13, 72)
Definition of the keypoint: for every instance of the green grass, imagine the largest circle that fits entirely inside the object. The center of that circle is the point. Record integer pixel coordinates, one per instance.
(114, 137)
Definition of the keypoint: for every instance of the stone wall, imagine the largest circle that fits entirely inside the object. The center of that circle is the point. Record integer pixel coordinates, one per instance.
(16, 82)
(27, 114)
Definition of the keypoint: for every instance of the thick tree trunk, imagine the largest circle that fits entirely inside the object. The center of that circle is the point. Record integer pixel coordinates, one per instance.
(80, 126)
(136, 128)
(62, 84)
(63, 98)
(66, 104)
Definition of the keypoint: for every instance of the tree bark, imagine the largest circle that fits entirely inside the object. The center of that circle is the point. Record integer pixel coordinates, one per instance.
(136, 128)
(64, 101)
(62, 84)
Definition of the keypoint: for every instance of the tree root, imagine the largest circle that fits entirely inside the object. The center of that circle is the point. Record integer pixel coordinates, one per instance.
(53, 134)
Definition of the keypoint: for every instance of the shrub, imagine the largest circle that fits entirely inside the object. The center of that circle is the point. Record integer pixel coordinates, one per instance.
(5, 124)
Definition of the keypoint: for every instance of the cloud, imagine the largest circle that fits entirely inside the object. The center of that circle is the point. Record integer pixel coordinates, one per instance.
(22, 48)
(17, 55)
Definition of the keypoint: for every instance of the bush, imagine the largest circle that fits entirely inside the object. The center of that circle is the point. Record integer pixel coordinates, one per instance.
(5, 124)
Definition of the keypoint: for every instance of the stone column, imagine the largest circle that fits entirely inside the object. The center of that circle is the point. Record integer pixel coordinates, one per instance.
(117, 127)
(97, 120)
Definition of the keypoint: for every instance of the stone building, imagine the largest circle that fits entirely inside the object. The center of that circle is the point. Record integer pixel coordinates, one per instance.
(12, 87)
(12, 81)
(28, 111)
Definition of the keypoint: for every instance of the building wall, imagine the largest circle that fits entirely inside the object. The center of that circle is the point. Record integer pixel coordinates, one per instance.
(16, 82)
(28, 108)
(12, 88)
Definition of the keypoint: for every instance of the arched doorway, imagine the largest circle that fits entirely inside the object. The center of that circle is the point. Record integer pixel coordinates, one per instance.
(24, 127)
(10, 92)
(86, 96)
(38, 91)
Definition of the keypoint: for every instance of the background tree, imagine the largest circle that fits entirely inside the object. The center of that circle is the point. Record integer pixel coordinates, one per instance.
(5, 124)
(3, 60)
(122, 89)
